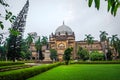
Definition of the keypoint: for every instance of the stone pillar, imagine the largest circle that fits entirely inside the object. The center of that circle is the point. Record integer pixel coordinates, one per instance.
(47, 55)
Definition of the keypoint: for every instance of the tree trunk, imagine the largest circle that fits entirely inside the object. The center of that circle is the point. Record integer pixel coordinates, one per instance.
(38, 54)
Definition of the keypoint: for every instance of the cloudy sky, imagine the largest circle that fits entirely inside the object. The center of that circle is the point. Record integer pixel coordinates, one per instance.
(45, 16)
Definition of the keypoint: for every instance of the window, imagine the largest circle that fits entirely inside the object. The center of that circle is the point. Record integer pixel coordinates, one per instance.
(61, 46)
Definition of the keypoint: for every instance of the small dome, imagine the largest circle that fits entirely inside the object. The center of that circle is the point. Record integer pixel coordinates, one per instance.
(63, 29)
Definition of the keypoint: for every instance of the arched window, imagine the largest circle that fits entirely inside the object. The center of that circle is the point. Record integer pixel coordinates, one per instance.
(61, 46)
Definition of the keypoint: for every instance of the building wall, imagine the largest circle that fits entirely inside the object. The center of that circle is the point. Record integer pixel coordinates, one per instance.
(61, 43)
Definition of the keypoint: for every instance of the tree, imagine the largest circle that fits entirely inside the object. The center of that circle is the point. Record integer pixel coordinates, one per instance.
(38, 46)
(25, 52)
(118, 46)
(83, 53)
(109, 54)
(14, 46)
(44, 40)
(113, 5)
(103, 36)
(29, 41)
(53, 54)
(89, 40)
(114, 43)
(67, 55)
(104, 42)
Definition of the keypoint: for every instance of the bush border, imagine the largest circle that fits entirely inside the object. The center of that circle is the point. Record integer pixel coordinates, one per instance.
(26, 73)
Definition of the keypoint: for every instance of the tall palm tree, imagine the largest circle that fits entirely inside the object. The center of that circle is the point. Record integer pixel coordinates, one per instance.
(89, 40)
(104, 42)
(114, 44)
(44, 40)
(103, 36)
(38, 46)
(29, 41)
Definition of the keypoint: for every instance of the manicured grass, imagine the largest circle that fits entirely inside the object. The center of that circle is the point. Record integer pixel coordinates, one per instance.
(81, 72)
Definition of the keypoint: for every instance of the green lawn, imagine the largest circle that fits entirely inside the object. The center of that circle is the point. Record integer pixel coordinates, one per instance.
(81, 72)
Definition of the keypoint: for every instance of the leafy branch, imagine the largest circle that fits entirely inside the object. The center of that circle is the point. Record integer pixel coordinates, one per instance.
(112, 5)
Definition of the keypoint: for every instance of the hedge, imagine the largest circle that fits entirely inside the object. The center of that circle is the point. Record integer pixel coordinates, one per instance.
(10, 63)
(96, 62)
(23, 74)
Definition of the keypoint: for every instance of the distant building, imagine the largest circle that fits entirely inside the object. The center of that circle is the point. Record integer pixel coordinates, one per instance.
(63, 38)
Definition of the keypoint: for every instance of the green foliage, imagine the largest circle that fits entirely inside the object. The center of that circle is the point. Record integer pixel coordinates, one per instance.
(81, 72)
(67, 55)
(114, 42)
(83, 53)
(112, 6)
(44, 40)
(53, 54)
(14, 32)
(3, 2)
(97, 4)
(103, 35)
(89, 39)
(8, 16)
(96, 56)
(1, 25)
(38, 46)
(90, 3)
(29, 39)
(109, 55)
(23, 74)
(25, 52)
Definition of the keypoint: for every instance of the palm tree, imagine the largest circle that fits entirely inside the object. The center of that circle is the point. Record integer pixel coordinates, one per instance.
(104, 42)
(114, 43)
(38, 46)
(29, 41)
(89, 40)
(44, 40)
(103, 36)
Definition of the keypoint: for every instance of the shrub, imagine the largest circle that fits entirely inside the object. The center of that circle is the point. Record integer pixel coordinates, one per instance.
(96, 56)
(83, 53)
(23, 74)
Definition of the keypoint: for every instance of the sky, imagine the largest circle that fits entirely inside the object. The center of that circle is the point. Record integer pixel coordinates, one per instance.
(45, 16)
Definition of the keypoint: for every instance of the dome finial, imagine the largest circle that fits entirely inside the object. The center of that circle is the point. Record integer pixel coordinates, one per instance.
(63, 23)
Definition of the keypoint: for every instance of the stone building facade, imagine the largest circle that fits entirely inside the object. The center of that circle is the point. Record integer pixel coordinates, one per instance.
(64, 37)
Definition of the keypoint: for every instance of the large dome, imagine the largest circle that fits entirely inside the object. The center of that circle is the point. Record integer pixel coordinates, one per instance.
(63, 29)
